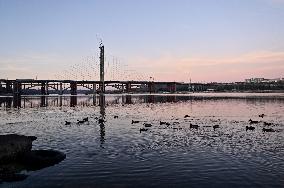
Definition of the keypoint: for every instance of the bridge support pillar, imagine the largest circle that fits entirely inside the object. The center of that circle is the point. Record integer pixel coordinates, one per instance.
(73, 101)
(17, 91)
(94, 88)
(60, 89)
(151, 87)
(73, 86)
(43, 89)
(46, 88)
(128, 99)
(8, 87)
(128, 87)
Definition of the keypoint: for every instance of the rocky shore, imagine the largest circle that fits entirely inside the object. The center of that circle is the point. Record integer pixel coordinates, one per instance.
(16, 155)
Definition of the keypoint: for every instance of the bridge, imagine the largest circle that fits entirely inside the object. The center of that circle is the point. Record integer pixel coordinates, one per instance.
(17, 87)
(71, 86)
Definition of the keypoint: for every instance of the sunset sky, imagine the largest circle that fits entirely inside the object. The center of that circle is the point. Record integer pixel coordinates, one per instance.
(170, 40)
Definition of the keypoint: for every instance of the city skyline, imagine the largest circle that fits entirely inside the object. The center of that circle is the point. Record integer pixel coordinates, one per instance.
(169, 40)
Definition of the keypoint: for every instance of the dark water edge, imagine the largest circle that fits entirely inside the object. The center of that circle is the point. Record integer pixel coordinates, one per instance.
(117, 154)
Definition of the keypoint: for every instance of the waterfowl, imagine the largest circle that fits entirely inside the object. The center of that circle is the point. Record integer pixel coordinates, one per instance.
(115, 117)
(251, 128)
(253, 122)
(163, 123)
(186, 116)
(177, 128)
(216, 126)
(266, 123)
(80, 121)
(261, 115)
(268, 130)
(143, 129)
(86, 119)
(193, 126)
(134, 122)
(67, 122)
(147, 124)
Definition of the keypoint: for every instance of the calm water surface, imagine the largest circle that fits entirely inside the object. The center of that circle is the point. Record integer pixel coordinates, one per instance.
(117, 154)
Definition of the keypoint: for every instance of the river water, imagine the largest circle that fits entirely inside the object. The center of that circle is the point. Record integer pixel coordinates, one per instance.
(117, 154)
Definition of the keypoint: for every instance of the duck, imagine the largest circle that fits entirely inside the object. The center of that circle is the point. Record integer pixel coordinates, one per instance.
(147, 124)
(261, 115)
(253, 122)
(86, 119)
(193, 126)
(186, 116)
(67, 123)
(216, 126)
(133, 122)
(80, 121)
(266, 123)
(268, 130)
(162, 122)
(143, 129)
(115, 117)
(251, 128)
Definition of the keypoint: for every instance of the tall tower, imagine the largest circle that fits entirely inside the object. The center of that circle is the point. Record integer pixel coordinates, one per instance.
(102, 68)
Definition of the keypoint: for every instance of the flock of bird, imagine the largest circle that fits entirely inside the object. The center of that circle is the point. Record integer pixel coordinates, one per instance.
(251, 128)
(216, 126)
(191, 126)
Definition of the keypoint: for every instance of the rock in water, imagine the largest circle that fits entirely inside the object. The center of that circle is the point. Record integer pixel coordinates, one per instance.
(37, 159)
(12, 146)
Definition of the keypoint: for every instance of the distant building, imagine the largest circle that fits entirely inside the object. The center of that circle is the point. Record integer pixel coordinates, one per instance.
(254, 80)
(263, 80)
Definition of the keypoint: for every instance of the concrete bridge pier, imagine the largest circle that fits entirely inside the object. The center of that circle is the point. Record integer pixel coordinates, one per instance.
(43, 89)
(60, 89)
(94, 88)
(17, 91)
(128, 99)
(9, 87)
(73, 86)
(43, 101)
(73, 101)
(151, 87)
(128, 87)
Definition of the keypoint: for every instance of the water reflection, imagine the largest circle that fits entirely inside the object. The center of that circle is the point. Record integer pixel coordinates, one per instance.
(98, 100)
(102, 118)
(111, 151)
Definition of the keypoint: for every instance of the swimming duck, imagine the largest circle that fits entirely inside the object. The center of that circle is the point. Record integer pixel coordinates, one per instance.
(67, 122)
(193, 126)
(268, 130)
(147, 124)
(143, 129)
(253, 122)
(216, 126)
(261, 115)
(251, 128)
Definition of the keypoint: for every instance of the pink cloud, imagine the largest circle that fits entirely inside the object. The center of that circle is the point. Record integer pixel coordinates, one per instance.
(224, 69)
